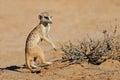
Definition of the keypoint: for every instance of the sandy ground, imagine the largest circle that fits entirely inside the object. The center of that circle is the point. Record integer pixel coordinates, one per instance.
(72, 20)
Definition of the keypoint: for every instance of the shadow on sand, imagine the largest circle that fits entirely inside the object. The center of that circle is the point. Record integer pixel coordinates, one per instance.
(16, 69)
(12, 68)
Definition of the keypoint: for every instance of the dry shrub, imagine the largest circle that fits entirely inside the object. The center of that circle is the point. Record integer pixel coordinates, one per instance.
(93, 51)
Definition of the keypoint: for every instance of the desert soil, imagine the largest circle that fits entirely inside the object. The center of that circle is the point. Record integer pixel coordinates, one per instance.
(72, 20)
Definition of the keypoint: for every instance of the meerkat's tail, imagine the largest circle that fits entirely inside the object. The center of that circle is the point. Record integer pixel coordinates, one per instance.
(28, 64)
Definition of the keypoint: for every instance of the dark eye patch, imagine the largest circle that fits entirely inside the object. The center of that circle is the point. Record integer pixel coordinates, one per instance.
(46, 17)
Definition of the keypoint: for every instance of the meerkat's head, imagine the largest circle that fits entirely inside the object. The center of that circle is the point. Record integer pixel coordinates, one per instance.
(45, 18)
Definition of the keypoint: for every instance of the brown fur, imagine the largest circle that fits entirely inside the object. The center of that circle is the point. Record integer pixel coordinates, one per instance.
(39, 33)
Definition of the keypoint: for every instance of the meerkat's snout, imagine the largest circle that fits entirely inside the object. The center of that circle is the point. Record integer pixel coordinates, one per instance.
(50, 19)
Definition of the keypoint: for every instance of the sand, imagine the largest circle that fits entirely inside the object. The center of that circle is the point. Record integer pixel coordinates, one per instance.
(72, 20)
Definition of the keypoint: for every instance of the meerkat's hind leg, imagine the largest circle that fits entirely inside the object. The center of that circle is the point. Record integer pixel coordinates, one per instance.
(42, 58)
(43, 61)
(33, 65)
(30, 66)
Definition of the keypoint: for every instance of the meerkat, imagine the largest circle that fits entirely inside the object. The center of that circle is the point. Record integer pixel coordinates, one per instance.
(37, 35)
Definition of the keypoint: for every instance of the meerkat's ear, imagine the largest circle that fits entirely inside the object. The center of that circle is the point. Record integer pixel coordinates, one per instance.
(41, 16)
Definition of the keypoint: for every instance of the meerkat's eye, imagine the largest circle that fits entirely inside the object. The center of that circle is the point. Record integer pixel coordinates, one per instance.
(46, 17)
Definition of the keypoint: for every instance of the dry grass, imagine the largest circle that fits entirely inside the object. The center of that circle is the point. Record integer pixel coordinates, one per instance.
(93, 51)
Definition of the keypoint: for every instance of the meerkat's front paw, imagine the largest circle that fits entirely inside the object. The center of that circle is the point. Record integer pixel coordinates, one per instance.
(55, 49)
